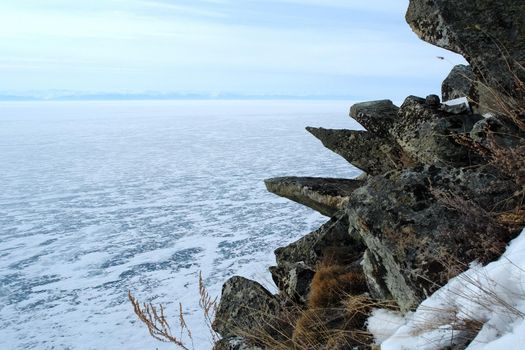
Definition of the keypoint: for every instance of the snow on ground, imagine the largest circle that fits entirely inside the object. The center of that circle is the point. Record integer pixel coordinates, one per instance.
(491, 297)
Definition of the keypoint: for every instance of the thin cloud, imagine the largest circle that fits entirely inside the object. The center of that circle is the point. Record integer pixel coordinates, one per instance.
(211, 45)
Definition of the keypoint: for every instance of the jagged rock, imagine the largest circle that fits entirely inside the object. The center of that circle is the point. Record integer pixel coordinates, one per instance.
(245, 305)
(461, 82)
(327, 196)
(371, 153)
(331, 239)
(489, 34)
(374, 274)
(296, 263)
(401, 223)
(426, 134)
(375, 116)
(235, 343)
(504, 135)
(293, 280)
(433, 101)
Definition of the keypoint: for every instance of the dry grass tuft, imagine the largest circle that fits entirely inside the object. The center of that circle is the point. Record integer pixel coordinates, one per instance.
(332, 282)
(337, 309)
(157, 323)
(208, 306)
(334, 318)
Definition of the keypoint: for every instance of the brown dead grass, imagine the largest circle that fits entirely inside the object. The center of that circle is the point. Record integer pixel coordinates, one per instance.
(158, 325)
(331, 283)
(336, 311)
(178, 334)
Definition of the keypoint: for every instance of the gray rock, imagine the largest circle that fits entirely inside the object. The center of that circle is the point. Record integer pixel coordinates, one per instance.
(461, 82)
(297, 262)
(504, 135)
(245, 305)
(489, 34)
(433, 101)
(371, 153)
(376, 116)
(409, 242)
(326, 195)
(293, 280)
(374, 273)
(427, 134)
(235, 343)
(331, 239)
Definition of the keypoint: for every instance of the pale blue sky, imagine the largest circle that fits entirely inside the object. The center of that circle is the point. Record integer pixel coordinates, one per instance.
(294, 47)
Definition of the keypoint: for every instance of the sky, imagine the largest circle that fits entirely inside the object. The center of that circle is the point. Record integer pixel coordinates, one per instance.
(355, 48)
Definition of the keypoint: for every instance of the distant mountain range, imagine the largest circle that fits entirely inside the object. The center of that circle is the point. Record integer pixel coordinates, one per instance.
(74, 96)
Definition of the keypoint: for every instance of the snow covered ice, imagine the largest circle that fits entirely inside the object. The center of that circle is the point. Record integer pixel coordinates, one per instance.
(100, 198)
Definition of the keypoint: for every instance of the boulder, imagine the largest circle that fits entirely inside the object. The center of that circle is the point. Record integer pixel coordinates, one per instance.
(245, 305)
(410, 247)
(489, 34)
(376, 117)
(326, 195)
(427, 134)
(503, 134)
(371, 153)
(433, 101)
(461, 82)
(293, 280)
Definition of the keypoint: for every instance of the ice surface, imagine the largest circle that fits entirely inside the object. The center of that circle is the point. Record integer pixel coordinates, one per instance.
(100, 198)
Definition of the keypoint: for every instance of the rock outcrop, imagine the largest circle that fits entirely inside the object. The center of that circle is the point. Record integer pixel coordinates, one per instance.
(245, 305)
(376, 117)
(461, 82)
(408, 243)
(435, 196)
(327, 196)
(426, 133)
(366, 151)
(489, 34)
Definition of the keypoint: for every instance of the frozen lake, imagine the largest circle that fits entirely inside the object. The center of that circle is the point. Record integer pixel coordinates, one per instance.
(98, 198)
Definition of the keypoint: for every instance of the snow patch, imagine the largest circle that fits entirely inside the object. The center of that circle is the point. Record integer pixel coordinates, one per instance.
(384, 323)
(457, 101)
(491, 297)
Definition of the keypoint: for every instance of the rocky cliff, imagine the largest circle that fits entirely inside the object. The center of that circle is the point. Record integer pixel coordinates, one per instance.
(442, 187)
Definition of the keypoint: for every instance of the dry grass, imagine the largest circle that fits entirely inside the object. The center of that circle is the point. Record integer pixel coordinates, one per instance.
(158, 324)
(208, 306)
(337, 309)
(333, 318)
(315, 329)
(509, 103)
(332, 282)
(328, 329)
(463, 328)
